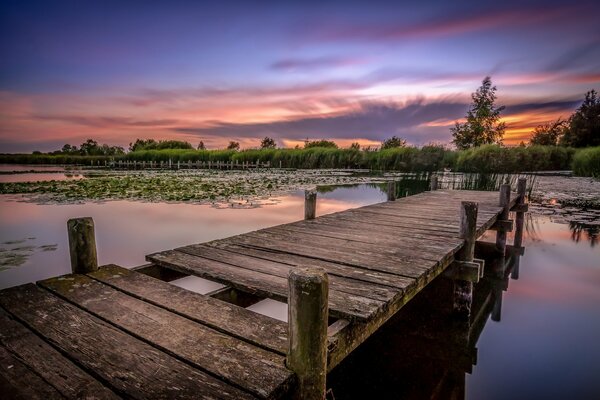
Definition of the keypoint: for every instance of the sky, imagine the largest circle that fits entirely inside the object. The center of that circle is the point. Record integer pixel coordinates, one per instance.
(347, 71)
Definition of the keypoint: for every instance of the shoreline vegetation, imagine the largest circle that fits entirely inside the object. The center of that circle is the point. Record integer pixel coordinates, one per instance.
(483, 159)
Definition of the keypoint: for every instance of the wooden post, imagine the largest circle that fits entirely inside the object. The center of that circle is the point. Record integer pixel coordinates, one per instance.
(505, 203)
(433, 184)
(82, 245)
(391, 191)
(520, 218)
(463, 290)
(308, 319)
(310, 204)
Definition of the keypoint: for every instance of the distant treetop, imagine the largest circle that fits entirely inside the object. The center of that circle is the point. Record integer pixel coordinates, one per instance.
(268, 143)
(320, 143)
(393, 142)
(483, 124)
(151, 144)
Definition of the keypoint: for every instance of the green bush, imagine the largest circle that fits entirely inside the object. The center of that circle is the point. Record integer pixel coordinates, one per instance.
(587, 162)
(499, 159)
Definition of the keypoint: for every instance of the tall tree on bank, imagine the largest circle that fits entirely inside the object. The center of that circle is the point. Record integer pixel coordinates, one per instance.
(268, 143)
(483, 124)
(584, 125)
(549, 134)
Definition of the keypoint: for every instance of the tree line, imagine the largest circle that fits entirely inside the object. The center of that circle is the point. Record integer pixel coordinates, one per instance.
(483, 125)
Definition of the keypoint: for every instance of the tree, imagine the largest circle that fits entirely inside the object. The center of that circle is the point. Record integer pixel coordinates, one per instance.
(355, 146)
(483, 124)
(268, 143)
(90, 148)
(201, 146)
(143, 144)
(69, 149)
(174, 144)
(233, 145)
(320, 143)
(584, 124)
(393, 142)
(548, 134)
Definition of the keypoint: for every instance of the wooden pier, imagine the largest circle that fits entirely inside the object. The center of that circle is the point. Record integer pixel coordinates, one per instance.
(110, 332)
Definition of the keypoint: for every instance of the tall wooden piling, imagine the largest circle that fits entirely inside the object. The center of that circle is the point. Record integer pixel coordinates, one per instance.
(503, 216)
(391, 191)
(310, 204)
(520, 217)
(463, 290)
(82, 245)
(307, 319)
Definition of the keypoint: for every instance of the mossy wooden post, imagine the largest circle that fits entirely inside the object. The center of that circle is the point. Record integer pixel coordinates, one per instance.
(505, 203)
(307, 342)
(82, 245)
(463, 290)
(391, 191)
(310, 204)
(433, 184)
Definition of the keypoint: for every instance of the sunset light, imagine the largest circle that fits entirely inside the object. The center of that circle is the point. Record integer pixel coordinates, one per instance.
(117, 71)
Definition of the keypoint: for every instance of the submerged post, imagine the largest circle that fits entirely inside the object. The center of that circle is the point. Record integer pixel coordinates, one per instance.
(505, 203)
(391, 191)
(308, 319)
(433, 184)
(310, 204)
(82, 245)
(463, 290)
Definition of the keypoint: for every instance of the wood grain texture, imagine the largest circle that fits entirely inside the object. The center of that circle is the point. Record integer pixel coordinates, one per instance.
(17, 381)
(51, 366)
(342, 305)
(232, 360)
(129, 366)
(254, 328)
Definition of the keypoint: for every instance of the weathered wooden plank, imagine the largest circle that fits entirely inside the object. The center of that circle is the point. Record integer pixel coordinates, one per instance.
(254, 328)
(17, 381)
(365, 289)
(413, 248)
(378, 221)
(396, 241)
(126, 364)
(417, 249)
(67, 378)
(331, 268)
(237, 362)
(341, 305)
(409, 230)
(410, 263)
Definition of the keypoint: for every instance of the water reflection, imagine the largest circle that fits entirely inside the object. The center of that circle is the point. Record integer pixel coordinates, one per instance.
(126, 231)
(544, 347)
(582, 231)
(423, 352)
(545, 320)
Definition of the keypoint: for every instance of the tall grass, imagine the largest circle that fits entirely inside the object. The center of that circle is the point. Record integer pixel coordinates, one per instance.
(484, 159)
(492, 158)
(587, 162)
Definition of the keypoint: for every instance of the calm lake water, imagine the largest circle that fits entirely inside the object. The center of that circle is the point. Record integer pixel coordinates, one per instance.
(545, 346)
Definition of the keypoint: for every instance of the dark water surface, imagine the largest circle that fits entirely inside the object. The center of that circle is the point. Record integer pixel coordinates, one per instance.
(545, 346)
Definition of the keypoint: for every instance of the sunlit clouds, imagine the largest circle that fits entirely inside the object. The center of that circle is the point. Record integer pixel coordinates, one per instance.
(340, 71)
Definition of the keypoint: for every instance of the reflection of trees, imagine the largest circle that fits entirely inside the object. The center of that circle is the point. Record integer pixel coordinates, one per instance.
(532, 227)
(584, 231)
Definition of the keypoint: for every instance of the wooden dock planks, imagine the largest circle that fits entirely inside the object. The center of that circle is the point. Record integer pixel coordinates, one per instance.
(402, 242)
(117, 333)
